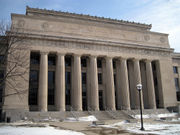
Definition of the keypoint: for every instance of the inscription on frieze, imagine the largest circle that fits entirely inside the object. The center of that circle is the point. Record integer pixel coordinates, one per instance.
(95, 47)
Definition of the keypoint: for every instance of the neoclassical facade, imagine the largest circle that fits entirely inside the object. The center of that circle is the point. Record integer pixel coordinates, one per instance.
(80, 62)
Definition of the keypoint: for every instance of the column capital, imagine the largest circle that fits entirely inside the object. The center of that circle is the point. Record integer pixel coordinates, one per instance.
(78, 55)
(93, 56)
(109, 57)
(136, 59)
(122, 58)
(148, 60)
(44, 52)
(60, 53)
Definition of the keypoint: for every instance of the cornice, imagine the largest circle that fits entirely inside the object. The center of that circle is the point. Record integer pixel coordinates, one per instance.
(176, 55)
(86, 17)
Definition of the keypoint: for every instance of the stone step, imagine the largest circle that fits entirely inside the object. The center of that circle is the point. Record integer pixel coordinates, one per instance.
(100, 115)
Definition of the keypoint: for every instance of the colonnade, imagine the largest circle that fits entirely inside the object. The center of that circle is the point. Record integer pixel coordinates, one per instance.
(122, 86)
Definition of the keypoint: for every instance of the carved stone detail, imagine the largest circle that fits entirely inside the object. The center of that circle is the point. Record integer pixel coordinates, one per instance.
(146, 37)
(162, 39)
(45, 25)
(21, 23)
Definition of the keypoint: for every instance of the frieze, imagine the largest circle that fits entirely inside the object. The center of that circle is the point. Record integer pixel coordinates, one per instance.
(105, 48)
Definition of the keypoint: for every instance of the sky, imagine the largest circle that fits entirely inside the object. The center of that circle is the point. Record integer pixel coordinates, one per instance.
(164, 15)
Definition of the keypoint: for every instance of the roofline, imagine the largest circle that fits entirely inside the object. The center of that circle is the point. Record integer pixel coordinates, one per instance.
(86, 17)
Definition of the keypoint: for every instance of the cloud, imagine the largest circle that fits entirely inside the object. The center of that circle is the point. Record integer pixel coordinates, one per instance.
(164, 15)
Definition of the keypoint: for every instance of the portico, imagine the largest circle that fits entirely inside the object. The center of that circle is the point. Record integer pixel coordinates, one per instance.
(78, 62)
(126, 98)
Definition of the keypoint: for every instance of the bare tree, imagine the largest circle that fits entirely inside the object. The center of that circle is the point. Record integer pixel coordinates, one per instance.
(13, 60)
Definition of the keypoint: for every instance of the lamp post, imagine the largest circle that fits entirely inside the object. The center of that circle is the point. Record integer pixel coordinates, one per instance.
(139, 88)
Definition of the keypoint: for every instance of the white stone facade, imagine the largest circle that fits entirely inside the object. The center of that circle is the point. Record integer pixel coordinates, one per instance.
(127, 50)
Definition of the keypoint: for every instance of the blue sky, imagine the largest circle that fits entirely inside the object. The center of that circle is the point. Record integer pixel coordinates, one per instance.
(164, 15)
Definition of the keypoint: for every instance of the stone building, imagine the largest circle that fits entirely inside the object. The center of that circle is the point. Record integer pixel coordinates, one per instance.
(84, 62)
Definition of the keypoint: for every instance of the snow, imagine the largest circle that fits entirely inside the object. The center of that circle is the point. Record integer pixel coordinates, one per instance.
(150, 128)
(86, 118)
(12, 130)
(115, 125)
(160, 129)
(155, 115)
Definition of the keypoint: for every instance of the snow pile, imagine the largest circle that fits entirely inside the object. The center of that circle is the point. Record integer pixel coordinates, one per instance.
(87, 118)
(155, 115)
(11, 130)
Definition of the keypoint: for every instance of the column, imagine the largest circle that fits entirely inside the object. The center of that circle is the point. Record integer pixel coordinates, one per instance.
(110, 93)
(137, 80)
(43, 82)
(124, 84)
(150, 85)
(60, 83)
(77, 83)
(94, 83)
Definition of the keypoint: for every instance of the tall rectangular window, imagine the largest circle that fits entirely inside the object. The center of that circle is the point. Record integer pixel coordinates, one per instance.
(2, 59)
(175, 69)
(99, 78)
(35, 58)
(68, 77)
(51, 87)
(99, 63)
(52, 60)
(1, 84)
(83, 78)
(67, 61)
(83, 62)
(33, 87)
(177, 84)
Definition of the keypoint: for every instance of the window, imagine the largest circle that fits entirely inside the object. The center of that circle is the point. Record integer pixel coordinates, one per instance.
(83, 78)
(115, 79)
(52, 60)
(68, 61)
(68, 77)
(176, 83)
(51, 87)
(175, 69)
(1, 59)
(114, 64)
(1, 84)
(34, 76)
(33, 87)
(99, 63)
(153, 66)
(99, 78)
(35, 58)
(83, 62)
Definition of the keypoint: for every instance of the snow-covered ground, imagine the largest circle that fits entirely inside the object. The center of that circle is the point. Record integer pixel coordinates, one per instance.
(12, 130)
(160, 129)
(155, 115)
(150, 128)
(86, 118)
